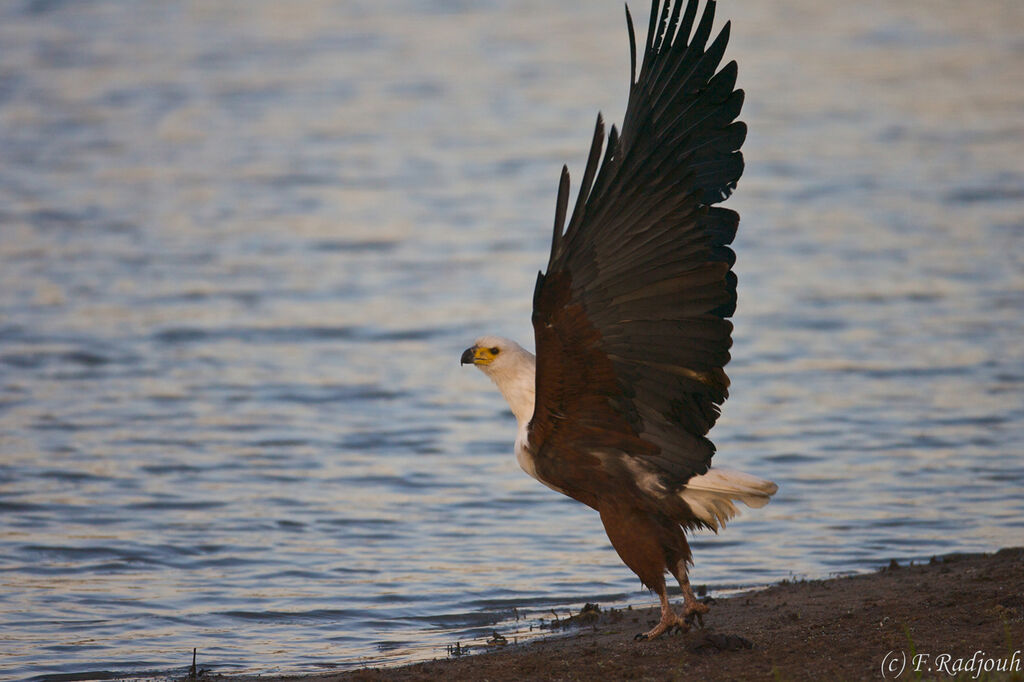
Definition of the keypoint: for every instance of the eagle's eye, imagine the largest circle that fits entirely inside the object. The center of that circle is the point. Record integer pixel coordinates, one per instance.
(495, 350)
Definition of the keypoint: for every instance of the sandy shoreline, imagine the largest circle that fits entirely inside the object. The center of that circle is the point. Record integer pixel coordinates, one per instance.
(850, 628)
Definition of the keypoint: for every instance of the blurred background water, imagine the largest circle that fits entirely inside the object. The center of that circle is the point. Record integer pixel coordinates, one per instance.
(242, 245)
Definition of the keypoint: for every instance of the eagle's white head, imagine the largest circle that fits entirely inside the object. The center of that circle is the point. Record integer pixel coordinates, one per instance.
(511, 367)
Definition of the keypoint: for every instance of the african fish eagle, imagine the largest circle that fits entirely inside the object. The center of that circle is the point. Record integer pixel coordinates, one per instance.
(630, 319)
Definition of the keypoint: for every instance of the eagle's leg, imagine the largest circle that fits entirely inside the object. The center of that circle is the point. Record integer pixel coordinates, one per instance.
(691, 607)
(644, 543)
(670, 620)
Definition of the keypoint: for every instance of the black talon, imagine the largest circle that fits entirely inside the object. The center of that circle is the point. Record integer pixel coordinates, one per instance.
(695, 616)
(641, 637)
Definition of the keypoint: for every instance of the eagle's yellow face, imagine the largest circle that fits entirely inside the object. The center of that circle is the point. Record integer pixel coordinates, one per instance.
(481, 356)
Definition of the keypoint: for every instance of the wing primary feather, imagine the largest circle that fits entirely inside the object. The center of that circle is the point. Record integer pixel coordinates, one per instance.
(675, 60)
(604, 175)
(691, 66)
(588, 176)
(703, 32)
(704, 68)
(561, 205)
(651, 32)
(673, 24)
(714, 94)
(632, 49)
(659, 37)
(607, 166)
(687, 25)
(537, 292)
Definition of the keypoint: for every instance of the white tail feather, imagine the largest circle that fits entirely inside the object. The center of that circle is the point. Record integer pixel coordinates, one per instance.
(711, 495)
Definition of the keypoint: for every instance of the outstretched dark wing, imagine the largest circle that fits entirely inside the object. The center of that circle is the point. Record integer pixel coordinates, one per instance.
(630, 318)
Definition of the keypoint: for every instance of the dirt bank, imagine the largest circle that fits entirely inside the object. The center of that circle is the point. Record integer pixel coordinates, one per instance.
(849, 628)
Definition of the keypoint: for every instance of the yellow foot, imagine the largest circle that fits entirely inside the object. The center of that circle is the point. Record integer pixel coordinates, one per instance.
(670, 620)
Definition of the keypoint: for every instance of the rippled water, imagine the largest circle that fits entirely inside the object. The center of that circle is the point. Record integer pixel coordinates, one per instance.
(242, 246)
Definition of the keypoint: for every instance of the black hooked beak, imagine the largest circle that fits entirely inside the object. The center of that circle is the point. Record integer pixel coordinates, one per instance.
(468, 355)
